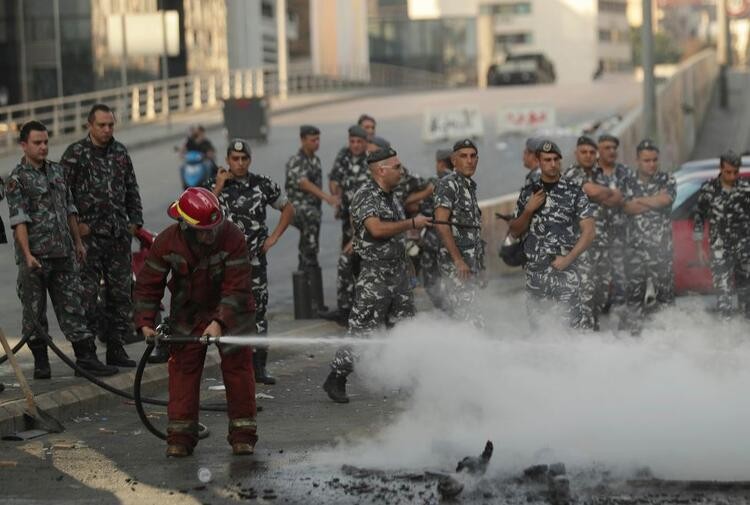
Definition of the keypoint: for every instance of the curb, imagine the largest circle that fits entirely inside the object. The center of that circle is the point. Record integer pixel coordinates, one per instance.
(85, 397)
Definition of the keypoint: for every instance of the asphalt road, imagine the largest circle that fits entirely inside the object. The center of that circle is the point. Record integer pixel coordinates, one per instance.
(399, 120)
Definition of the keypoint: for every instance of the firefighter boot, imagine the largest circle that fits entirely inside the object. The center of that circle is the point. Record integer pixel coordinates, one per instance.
(335, 386)
(116, 355)
(41, 359)
(260, 357)
(86, 358)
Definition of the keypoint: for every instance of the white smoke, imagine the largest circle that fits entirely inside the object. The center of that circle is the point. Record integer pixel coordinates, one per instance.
(674, 400)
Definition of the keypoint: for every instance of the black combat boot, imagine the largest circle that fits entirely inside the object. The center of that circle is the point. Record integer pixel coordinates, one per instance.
(41, 359)
(86, 358)
(116, 355)
(260, 357)
(335, 386)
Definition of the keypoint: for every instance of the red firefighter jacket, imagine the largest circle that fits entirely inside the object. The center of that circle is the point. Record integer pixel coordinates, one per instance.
(214, 286)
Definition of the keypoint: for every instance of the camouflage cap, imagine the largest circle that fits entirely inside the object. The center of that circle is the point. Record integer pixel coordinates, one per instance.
(465, 143)
(608, 137)
(358, 132)
(732, 158)
(381, 154)
(646, 145)
(443, 154)
(308, 129)
(585, 140)
(239, 146)
(547, 146)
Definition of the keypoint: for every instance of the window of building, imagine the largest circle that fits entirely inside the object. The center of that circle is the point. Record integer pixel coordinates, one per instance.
(266, 9)
(613, 6)
(511, 9)
(514, 38)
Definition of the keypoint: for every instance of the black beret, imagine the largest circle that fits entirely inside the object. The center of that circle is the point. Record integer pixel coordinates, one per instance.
(608, 137)
(308, 129)
(532, 143)
(365, 117)
(547, 146)
(585, 140)
(380, 142)
(239, 146)
(646, 145)
(357, 131)
(464, 143)
(443, 154)
(381, 154)
(732, 158)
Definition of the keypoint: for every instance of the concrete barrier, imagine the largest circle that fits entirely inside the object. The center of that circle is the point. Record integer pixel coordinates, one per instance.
(682, 102)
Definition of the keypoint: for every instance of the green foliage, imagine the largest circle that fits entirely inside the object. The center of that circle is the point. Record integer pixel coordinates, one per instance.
(665, 49)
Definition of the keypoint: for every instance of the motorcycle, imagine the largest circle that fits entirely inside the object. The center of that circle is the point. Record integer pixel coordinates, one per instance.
(195, 170)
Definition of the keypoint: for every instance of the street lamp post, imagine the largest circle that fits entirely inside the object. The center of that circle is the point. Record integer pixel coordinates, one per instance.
(650, 126)
(281, 51)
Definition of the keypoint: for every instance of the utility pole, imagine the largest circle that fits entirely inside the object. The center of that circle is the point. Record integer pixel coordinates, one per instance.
(650, 125)
(281, 50)
(58, 47)
(724, 51)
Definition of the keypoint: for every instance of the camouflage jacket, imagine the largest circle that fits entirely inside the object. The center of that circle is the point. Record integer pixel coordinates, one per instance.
(579, 176)
(41, 199)
(459, 195)
(300, 167)
(339, 163)
(654, 227)
(554, 228)
(351, 173)
(212, 286)
(532, 176)
(370, 201)
(408, 184)
(430, 237)
(104, 188)
(618, 220)
(727, 211)
(244, 203)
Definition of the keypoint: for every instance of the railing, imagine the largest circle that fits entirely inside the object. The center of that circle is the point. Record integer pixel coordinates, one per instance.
(154, 100)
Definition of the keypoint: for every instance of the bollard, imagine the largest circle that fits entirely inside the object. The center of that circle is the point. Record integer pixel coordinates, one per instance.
(315, 277)
(301, 293)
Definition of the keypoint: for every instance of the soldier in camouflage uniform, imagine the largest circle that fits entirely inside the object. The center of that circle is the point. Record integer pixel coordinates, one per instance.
(593, 267)
(428, 262)
(368, 124)
(725, 203)
(530, 161)
(100, 175)
(558, 220)
(43, 217)
(304, 180)
(347, 176)
(383, 295)
(616, 173)
(648, 257)
(243, 196)
(461, 256)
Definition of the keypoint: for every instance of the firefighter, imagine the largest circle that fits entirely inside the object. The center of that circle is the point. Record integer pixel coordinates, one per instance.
(207, 258)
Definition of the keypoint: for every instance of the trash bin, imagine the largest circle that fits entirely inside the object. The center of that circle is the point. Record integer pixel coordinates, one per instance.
(246, 118)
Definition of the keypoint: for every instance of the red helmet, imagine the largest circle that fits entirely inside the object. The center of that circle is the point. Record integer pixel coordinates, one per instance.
(198, 208)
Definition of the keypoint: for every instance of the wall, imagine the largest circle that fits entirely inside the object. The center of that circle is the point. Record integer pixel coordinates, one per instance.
(338, 37)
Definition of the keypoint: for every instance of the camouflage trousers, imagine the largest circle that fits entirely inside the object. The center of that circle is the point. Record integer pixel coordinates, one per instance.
(60, 278)
(430, 269)
(382, 298)
(545, 283)
(460, 296)
(307, 221)
(107, 286)
(616, 263)
(650, 285)
(259, 287)
(594, 277)
(730, 270)
(345, 277)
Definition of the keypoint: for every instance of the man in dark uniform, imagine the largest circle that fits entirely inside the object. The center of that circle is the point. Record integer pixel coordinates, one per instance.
(205, 258)
(648, 256)
(616, 173)
(367, 123)
(350, 174)
(593, 267)
(45, 226)
(530, 161)
(243, 196)
(383, 295)
(461, 256)
(558, 220)
(100, 175)
(725, 203)
(304, 182)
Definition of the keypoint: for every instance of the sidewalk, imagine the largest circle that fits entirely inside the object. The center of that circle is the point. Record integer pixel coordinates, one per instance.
(65, 396)
(730, 128)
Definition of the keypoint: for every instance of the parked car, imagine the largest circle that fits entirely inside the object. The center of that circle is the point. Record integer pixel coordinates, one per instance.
(531, 68)
(690, 275)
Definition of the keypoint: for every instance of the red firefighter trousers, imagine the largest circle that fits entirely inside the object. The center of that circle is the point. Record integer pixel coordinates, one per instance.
(185, 370)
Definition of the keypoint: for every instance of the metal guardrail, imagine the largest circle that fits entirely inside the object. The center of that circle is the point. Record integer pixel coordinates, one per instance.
(154, 100)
